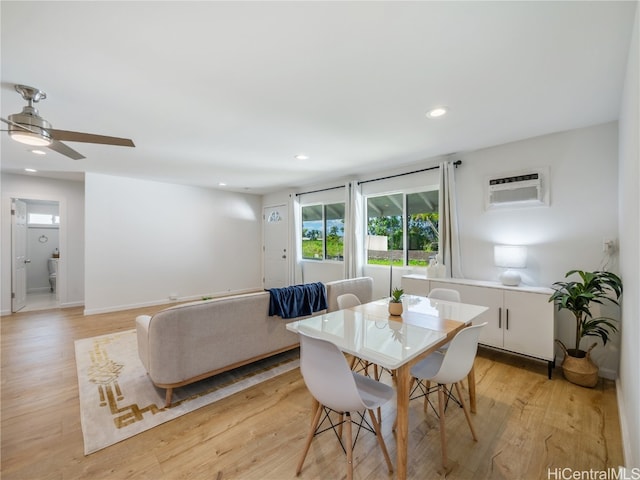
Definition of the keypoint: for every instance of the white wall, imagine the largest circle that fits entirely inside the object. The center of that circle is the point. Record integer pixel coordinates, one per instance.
(629, 215)
(568, 234)
(147, 241)
(70, 195)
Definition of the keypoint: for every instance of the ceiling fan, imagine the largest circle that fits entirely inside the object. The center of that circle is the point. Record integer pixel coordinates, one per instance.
(30, 128)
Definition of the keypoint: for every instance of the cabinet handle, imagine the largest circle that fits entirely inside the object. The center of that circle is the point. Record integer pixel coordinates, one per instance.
(499, 317)
(507, 318)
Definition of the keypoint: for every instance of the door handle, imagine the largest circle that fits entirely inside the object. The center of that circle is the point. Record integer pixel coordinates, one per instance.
(284, 256)
(27, 260)
(499, 317)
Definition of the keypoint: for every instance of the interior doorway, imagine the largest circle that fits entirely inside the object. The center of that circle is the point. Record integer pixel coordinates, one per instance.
(35, 242)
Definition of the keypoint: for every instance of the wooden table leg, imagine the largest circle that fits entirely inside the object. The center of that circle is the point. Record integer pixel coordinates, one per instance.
(402, 429)
(471, 380)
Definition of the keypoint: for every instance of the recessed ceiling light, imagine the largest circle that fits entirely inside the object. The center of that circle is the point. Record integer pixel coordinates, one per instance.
(39, 152)
(30, 170)
(222, 184)
(302, 156)
(437, 112)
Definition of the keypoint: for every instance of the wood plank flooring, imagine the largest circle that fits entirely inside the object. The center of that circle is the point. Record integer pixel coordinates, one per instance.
(526, 423)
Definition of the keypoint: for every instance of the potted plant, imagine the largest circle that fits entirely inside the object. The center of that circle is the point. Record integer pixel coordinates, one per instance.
(577, 297)
(395, 303)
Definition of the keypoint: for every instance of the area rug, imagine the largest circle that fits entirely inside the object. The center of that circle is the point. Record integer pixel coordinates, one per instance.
(118, 401)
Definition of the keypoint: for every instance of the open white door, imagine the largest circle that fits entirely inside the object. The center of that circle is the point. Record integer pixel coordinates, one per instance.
(19, 258)
(276, 263)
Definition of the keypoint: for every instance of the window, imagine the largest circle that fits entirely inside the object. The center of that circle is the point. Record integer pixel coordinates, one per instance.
(323, 232)
(43, 219)
(402, 228)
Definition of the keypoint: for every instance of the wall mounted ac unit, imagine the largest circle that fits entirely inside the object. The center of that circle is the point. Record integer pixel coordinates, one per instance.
(522, 189)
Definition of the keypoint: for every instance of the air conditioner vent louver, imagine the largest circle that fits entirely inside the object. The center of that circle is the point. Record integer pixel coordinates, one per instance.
(518, 178)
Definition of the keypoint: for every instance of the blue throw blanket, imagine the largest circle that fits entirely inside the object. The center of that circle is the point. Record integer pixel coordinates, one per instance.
(297, 300)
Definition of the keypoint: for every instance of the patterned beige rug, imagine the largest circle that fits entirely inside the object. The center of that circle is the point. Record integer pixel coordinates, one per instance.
(118, 401)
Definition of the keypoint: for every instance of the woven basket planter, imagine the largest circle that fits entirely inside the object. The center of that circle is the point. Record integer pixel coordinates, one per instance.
(579, 369)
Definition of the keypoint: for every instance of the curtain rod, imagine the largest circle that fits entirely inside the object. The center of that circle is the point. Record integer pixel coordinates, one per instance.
(321, 190)
(456, 163)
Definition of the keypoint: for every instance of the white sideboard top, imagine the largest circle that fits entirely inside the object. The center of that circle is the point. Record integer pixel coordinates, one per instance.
(483, 283)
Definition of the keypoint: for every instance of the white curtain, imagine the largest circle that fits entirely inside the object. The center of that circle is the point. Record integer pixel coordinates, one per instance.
(298, 273)
(354, 239)
(449, 243)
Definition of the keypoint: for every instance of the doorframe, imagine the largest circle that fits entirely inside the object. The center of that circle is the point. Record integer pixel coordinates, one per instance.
(6, 283)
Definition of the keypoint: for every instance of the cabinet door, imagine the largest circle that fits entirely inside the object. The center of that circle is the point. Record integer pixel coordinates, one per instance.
(529, 328)
(491, 334)
(415, 286)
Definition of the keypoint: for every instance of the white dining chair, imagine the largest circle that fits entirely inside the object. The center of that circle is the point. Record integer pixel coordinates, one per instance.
(347, 300)
(338, 389)
(448, 294)
(449, 369)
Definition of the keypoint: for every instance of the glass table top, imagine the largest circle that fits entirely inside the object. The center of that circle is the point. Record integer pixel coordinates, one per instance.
(370, 333)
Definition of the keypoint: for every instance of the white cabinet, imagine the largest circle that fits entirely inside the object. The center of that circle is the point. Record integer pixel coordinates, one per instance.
(519, 319)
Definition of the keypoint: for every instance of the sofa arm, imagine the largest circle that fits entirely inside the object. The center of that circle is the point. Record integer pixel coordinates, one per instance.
(142, 333)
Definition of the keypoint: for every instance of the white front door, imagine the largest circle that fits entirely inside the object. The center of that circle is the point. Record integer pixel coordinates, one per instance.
(19, 258)
(275, 226)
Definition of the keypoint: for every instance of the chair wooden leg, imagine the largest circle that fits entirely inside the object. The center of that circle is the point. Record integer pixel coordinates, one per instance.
(349, 447)
(383, 447)
(354, 360)
(426, 396)
(466, 412)
(341, 420)
(443, 438)
(312, 431)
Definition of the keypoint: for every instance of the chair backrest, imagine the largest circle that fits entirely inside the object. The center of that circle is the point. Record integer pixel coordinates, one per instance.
(347, 300)
(459, 357)
(327, 375)
(448, 294)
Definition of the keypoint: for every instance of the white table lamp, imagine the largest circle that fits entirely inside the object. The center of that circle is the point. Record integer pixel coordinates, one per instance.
(510, 256)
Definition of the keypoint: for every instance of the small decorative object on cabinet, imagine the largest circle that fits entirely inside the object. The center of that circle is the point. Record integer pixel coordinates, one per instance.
(595, 287)
(395, 303)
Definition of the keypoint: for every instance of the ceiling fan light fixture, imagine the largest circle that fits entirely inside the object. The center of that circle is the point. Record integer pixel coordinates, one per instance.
(30, 138)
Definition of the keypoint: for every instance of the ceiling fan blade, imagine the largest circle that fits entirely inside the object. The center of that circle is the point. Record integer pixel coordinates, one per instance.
(17, 125)
(68, 136)
(60, 147)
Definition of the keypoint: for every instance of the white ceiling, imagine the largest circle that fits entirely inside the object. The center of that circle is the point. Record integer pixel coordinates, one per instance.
(230, 91)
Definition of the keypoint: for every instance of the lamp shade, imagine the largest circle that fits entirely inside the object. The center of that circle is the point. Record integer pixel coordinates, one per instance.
(510, 256)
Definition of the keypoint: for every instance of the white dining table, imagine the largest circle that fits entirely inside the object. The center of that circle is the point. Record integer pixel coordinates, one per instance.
(368, 332)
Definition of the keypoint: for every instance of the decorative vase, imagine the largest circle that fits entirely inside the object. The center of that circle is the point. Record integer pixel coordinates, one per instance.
(395, 308)
(578, 367)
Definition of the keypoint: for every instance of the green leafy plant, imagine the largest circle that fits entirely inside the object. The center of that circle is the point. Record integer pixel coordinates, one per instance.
(396, 295)
(577, 296)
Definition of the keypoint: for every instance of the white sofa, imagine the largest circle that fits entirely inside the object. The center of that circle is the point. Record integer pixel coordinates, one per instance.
(186, 343)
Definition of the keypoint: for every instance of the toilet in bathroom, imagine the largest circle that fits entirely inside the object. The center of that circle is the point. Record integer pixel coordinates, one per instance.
(53, 273)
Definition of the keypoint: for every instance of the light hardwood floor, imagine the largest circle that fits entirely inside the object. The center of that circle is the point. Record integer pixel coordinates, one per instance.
(526, 424)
